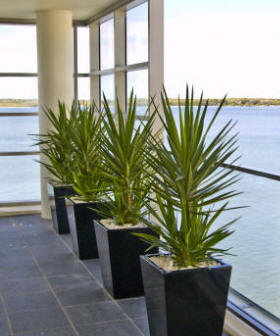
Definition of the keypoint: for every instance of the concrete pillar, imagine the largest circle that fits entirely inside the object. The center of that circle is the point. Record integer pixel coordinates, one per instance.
(94, 62)
(120, 57)
(55, 72)
(156, 53)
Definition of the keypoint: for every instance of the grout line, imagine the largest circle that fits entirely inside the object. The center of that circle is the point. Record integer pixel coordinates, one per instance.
(51, 289)
(6, 314)
(101, 284)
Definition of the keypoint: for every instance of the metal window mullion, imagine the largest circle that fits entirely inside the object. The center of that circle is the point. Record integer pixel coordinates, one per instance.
(18, 74)
(75, 49)
(18, 114)
(19, 153)
(120, 57)
(94, 62)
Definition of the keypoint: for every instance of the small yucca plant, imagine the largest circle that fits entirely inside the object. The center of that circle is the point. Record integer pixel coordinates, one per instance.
(56, 144)
(191, 189)
(124, 145)
(86, 136)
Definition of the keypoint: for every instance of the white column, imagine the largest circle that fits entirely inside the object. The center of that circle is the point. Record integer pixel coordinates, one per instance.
(156, 52)
(94, 62)
(55, 72)
(120, 57)
(156, 61)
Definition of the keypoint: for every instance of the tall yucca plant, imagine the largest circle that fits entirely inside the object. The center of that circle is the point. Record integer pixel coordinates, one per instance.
(123, 148)
(190, 184)
(86, 135)
(56, 144)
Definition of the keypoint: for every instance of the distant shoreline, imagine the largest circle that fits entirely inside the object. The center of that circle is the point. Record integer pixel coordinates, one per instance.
(173, 102)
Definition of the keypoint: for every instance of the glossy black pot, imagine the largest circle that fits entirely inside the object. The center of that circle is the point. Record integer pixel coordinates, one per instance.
(81, 216)
(119, 252)
(185, 302)
(57, 194)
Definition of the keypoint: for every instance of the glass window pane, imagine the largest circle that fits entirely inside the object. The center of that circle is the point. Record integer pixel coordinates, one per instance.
(84, 88)
(137, 34)
(138, 81)
(83, 49)
(22, 89)
(19, 178)
(107, 57)
(255, 241)
(107, 86)
(15, 133)
(18, 48)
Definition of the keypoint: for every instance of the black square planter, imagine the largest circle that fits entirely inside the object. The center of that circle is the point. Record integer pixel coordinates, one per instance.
(185, 302)
(119, 252)
(57, 195)
(80, 217)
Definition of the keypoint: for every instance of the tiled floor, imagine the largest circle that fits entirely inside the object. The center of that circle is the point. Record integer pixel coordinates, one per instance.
(46, 291)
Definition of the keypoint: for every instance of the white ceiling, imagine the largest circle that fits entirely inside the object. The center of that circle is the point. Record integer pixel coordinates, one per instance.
(26, 9)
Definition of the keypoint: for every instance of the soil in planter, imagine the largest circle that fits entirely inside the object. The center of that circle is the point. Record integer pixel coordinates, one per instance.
(111, 224)
(168, 264)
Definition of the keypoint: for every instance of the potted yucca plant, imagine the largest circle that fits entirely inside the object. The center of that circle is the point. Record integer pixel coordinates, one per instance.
(123, 150)
(56, 145)
(186, 286)
(87, 181)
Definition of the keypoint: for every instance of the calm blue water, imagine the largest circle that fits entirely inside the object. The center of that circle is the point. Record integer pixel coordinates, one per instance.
(257, 235)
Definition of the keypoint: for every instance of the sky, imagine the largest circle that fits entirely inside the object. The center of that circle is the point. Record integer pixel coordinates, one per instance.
(218, 46)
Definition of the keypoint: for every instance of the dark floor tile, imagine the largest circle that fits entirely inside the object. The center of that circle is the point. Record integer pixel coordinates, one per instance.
(21, 287)
(48, 332)
(143, 325)
(67, 239)
(134, 307)
(4, 327)
(6, 225)
(12, 271)
(38, 319)
(30, 302)
(52, 252)
(52, 269)
(78, 289)
(41, 241)
(26, 221)
(61, 255)
(72, 281)
(82, 295)
(117, 328)
(12, 240)
(95, 313)
(17, 254)
(94, 268)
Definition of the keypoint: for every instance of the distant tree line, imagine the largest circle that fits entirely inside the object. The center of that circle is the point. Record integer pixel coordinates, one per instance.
(144, 102)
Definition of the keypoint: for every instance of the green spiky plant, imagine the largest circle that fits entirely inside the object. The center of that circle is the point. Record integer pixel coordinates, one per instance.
(56, 144)
(86, 136)
(190, 184)
(126, 173)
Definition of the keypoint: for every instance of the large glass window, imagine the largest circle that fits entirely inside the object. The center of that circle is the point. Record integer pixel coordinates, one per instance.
(84, 89)
(22, 89)
(16, 133)
(19, 175)
(138, 81)
(107, 87)
(83, 49)
(18, 48)
(19, 178)
(137, 34)
(255, 242)
(107, 57)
